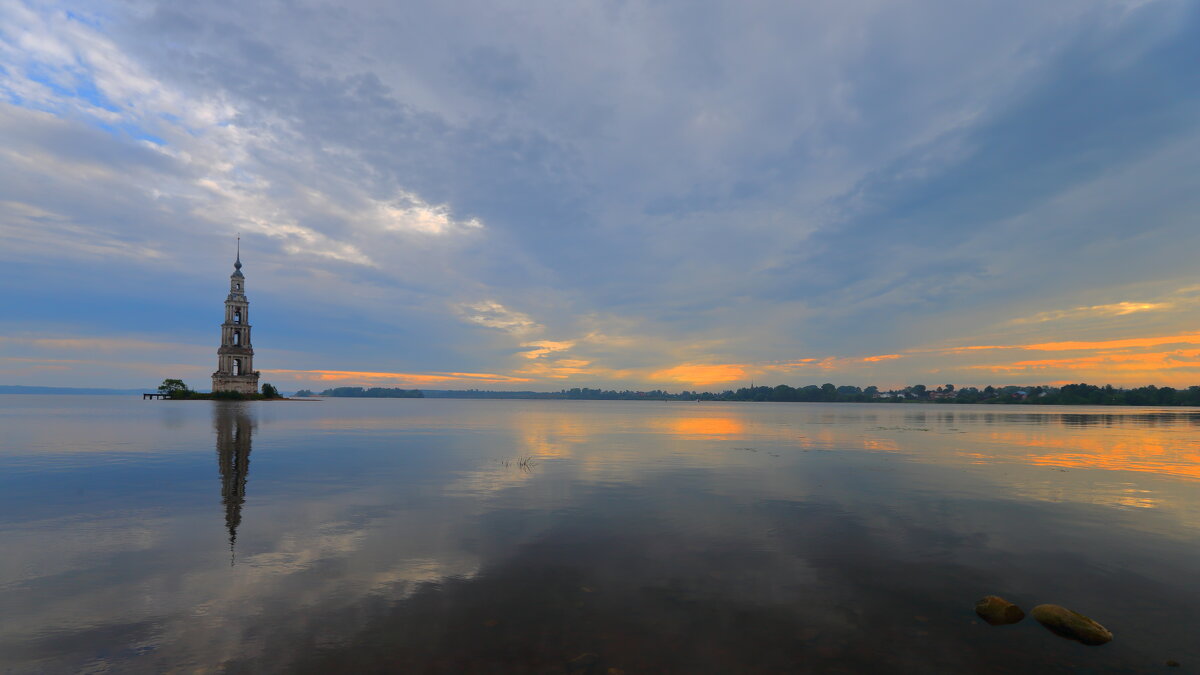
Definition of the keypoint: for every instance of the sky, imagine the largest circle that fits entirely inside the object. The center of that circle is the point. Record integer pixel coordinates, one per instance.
(686, 195)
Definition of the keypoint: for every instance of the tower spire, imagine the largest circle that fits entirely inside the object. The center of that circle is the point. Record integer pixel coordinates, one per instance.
(237, 264)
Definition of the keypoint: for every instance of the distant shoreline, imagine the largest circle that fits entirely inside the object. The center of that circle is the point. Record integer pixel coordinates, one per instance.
(1066, 395)
(663, 400)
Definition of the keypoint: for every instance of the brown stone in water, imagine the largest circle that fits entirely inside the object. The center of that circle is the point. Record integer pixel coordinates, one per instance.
(1071, 625)
(998, 611)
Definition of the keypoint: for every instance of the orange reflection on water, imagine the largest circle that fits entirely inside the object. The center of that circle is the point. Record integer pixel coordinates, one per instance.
(1143, 451)
(551, 435)
(718, 427)
(880, 445)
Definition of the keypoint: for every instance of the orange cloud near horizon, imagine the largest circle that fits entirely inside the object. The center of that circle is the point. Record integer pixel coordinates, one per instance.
(1122, 361)
(1129, 343)
(1154, 361)
(833, 362)
(1078, 345)
(1172, 360)
(408, 378)
(702, 373)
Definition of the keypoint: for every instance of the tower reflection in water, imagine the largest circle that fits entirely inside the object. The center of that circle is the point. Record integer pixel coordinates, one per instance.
(234, 430)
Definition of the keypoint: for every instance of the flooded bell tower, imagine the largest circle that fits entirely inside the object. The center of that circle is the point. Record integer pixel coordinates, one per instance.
(235, 357)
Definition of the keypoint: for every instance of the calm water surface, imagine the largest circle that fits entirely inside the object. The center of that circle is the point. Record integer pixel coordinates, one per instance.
(590, 537)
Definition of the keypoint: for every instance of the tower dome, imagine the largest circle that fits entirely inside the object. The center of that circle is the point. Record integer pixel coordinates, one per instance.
(237, 264)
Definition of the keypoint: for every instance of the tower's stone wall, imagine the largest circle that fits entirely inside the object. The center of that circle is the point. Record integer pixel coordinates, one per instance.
(235, 357)
(242, 384)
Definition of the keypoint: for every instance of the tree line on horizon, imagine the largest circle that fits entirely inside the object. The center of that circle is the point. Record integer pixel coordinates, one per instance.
(1070, 394)
(360, 392)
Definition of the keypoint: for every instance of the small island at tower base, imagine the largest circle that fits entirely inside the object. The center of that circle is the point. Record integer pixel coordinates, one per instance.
(177, 390)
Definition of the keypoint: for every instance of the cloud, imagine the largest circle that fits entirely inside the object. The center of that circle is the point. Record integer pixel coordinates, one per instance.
(411, 379)
(616, 193)
(94, 344)
(31, 229)
(1161, 359)
(226, 167)
(833, 363)
(543, 347)
(560, 369)
(410, 212)
(1153, 364)
(701, 374)
(147, 372)
(491, 314)
(1113, 309)
(1082, 345)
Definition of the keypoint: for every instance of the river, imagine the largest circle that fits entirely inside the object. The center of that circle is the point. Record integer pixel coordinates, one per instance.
(608, 537)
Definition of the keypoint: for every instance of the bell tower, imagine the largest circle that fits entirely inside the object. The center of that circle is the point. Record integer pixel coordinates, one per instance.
(235, 357)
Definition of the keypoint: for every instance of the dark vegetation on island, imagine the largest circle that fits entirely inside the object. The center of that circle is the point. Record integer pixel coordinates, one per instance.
(177, 390)
(1070, 394)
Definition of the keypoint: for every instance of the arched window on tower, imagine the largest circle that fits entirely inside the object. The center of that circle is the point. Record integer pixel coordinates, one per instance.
(237, 316)
(237, 338)
(237, 366)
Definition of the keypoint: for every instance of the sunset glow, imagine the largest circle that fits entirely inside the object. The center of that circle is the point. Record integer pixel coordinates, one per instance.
(701, 374)
(350, 376)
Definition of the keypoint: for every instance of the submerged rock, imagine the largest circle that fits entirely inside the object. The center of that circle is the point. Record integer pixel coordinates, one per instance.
(998, 611)
(1071, 625)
